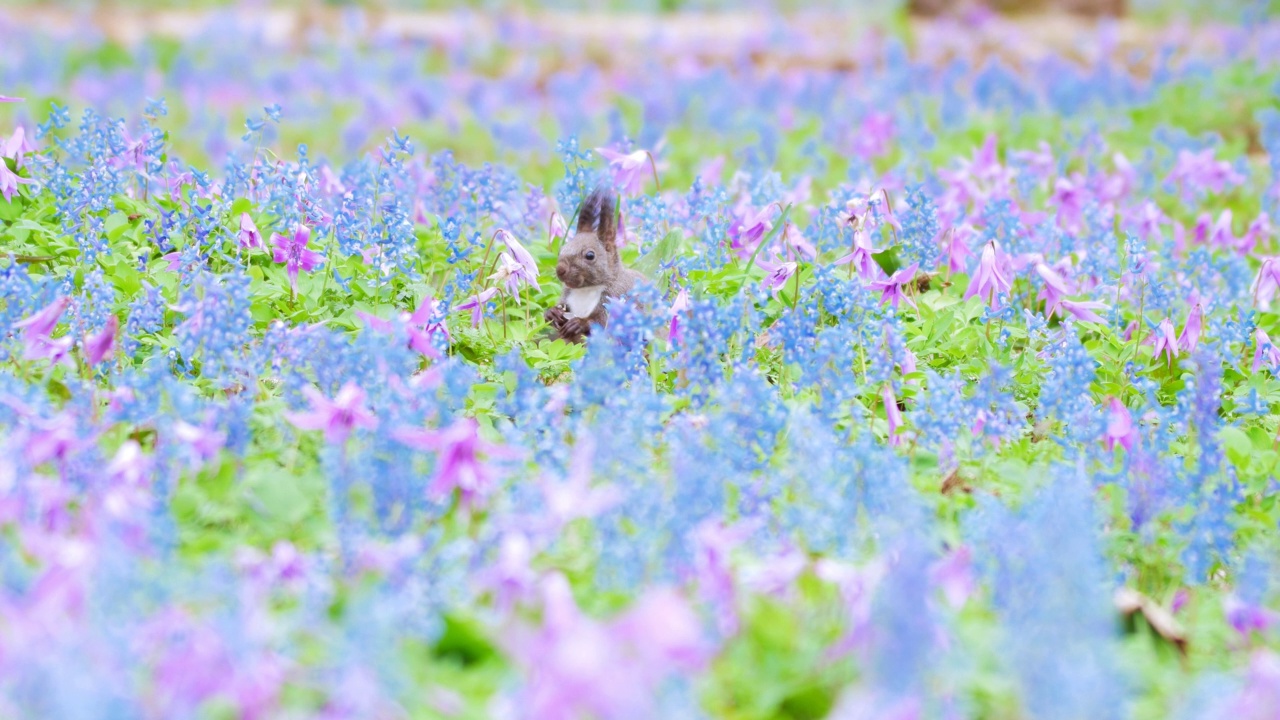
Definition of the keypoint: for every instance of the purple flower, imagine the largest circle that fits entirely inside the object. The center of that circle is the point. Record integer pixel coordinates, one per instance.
(1120, 428)
(892, 414)
(1246, 617)
(575, 497)
(1165, 340)
(958, 248)
(9, 181)
(202, 443)
(680, 304)
(988, 282)
(1264, 351)
(891, 288)
(99, 347)
(17, 144)
(511, 579)
(1190, 336)
(475, 304)
(1266, 284)
(423, 324)
(337, 417)
(1084, 310)
(1055, 288)
(861, 256)
(953, 575)
(1195, 172)
(294, 253)
(628, 169)
(461, 459)
(43, 323)
(522, 265)
(249, 235)
(778, 274)
(749, 228)
(1258, 230)
(7, 99)
(36, 332)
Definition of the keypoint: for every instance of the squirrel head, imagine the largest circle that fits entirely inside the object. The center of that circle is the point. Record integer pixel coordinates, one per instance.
(591, 257)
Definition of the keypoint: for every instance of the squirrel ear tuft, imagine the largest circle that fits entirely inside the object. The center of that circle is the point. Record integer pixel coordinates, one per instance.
(598, 216)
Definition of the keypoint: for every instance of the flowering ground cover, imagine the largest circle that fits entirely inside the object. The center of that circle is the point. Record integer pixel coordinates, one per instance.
(949, 393)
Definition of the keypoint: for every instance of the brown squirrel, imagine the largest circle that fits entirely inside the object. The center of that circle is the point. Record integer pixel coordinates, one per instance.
(591, 270)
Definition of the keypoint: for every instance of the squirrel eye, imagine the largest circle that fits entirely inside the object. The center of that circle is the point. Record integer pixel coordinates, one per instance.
(591, 255)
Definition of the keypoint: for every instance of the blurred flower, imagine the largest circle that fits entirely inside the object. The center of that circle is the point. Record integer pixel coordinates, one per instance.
(628, 169)
(100, 346)
(679, 305)
(988, 283)
(1190, 336)
(337, 417)
(1120, 428)
(892, 414)
(462, 459)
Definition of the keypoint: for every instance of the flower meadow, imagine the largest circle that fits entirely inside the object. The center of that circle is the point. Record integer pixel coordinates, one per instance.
(949, 393)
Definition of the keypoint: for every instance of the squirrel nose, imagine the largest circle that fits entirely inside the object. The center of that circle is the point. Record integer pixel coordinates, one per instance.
(560, 272)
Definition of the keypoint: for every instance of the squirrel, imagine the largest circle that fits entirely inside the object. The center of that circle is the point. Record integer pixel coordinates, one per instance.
(591, 270)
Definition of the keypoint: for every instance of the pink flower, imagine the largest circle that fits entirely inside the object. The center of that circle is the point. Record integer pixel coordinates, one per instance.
(7, 99)
(294, 253)
(475, 304)
(892, 414)
(891, 289)
(461, 459)
(1264, 351)
(628, 169)
(1165, 340)
(99, 347)
(988, 282)
(1190, 336)
(249, 235)
(1120, 428)
(337, 417)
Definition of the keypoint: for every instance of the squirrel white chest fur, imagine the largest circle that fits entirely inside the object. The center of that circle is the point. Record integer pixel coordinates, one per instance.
(583, 301)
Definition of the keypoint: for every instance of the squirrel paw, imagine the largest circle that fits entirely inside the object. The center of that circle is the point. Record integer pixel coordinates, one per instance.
(555, 316)
(575, 329)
